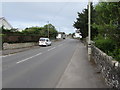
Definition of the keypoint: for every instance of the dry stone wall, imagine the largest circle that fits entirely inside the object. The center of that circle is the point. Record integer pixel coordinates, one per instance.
(18, 45)
(109, 68)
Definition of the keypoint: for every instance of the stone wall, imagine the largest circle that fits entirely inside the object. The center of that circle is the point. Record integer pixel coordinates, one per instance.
(18, 45)
(109, 68)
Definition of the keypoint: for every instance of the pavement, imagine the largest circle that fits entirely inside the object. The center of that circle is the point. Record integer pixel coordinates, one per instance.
(62, 65)
(80, 73)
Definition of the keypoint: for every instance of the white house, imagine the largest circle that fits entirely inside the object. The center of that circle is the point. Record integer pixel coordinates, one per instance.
(3, 22)
(61, 35)
(77, 34)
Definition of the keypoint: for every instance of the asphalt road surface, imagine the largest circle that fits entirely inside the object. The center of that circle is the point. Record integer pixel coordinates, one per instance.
(38, 68)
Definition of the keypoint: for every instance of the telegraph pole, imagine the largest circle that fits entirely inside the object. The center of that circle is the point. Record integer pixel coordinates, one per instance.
(48, 29)
(59, 29)
(89, 30)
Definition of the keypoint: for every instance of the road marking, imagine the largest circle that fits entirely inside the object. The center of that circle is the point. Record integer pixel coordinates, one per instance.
(28, 58)
(51, 48)
(7, 55)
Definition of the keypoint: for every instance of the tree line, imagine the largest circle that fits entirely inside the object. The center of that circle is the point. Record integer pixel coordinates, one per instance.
(30, 34)
(105, 26)
(32, 31)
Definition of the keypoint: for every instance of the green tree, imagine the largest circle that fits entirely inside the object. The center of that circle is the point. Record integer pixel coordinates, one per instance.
(41, 31)
(107, 22)
(73, 34)
(52, 30)
(82, 22)
(32, 31)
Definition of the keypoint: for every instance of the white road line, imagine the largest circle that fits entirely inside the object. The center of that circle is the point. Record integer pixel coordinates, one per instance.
(51, 48)
(6, 55)
(28, 58)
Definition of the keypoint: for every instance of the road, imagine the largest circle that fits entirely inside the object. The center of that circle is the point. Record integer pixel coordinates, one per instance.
(38, 68)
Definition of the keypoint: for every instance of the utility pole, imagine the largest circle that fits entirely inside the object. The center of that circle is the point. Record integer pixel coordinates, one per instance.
(59, 29)
(89, 30)
(48, 29)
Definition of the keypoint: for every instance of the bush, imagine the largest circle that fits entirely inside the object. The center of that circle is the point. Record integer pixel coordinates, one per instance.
(115, 54)
(107, 45)
(20, 38)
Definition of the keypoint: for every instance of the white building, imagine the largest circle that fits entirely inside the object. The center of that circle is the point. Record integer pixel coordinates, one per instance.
(77, 34)
(3, 22)
(61, 35)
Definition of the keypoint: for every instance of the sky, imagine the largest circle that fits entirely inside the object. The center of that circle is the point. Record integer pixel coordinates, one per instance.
(27, 14)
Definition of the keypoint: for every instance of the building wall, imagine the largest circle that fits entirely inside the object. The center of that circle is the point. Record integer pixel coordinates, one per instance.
(77, 35)
(59, 36)
(4, 23)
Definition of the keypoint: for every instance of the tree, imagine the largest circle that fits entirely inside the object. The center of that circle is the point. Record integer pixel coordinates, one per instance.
(41, 31)
(32, 31)
(73, 34)
(107, 22)
(82, 22)
(52, 31)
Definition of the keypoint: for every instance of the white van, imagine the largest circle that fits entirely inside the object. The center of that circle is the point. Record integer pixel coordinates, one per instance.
(44, 42)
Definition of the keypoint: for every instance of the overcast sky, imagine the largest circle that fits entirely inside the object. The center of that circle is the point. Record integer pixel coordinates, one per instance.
(27, 14)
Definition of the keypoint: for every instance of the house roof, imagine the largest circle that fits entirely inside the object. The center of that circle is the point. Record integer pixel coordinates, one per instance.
(3, 19)
(61, 33)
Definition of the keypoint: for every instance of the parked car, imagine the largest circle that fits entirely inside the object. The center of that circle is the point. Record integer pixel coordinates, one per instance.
(44, 42)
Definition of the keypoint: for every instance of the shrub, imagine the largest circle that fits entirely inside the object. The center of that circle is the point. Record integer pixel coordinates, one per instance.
(108, 46)
(115, 54)
(105, 44)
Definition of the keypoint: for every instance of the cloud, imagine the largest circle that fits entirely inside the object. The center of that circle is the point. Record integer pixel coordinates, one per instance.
(27, 14)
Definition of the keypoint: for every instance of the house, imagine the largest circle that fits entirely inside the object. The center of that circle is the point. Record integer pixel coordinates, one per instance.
(77, 34)
(5, 23)
(61, 35)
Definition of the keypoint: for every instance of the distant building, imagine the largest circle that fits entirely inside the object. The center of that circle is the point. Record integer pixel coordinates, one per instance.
(61, 35)
(3, 22)
(77, 34)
